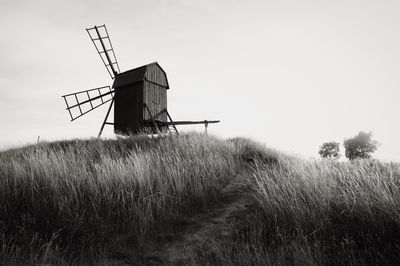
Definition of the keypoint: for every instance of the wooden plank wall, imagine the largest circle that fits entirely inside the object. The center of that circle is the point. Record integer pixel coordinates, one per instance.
(127, 108)
(155, 92)
(155, 74)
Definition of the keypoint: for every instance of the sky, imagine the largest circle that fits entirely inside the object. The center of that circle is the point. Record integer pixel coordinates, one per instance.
(290, 74)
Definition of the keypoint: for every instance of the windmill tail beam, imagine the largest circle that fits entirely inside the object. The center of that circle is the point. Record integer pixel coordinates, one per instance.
(177, 123)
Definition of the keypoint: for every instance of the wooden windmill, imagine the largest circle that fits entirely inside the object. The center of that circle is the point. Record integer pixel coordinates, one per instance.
(139, 95)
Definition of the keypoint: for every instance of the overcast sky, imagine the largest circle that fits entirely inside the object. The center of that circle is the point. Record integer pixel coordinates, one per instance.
(290, 74)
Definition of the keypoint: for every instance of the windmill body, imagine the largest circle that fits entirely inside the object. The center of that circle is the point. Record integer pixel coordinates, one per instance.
(139, 95)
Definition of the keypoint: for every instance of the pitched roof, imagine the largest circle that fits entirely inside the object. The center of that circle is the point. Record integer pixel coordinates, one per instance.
(134, 75)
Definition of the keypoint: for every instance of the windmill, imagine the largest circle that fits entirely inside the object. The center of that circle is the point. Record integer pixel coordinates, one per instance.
(139, 95)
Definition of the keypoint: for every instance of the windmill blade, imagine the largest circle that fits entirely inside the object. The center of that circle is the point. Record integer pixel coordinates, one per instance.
(82, 102)
(102, 42)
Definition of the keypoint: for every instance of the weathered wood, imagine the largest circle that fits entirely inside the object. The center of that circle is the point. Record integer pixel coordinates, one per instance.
(136, 88)
(141, 101)
(155, 86)
(177, 123)
(128, 111)
(155, 126)
(140, 94)
(170, 119)
(105, 119)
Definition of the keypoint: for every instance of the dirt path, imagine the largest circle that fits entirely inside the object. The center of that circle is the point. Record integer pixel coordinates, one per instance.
(203, 230)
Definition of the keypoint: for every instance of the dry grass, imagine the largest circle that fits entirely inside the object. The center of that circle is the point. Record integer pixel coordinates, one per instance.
(104, 202)
(318, 213)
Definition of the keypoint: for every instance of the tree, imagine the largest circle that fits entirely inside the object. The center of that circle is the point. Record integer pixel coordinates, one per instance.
(330, 150)
(360, 146)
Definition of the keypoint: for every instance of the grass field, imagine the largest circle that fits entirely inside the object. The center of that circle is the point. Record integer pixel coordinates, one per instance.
(193, 200)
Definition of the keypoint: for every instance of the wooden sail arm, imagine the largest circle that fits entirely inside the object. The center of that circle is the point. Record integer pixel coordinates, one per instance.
(81, 107)
(87, 101)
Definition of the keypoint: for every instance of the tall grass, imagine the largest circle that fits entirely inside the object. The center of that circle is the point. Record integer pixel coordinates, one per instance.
(79, 195)
(323, 213)
(104, 201)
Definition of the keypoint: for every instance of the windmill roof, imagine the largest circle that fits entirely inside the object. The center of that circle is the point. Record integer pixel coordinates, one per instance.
(134, 75)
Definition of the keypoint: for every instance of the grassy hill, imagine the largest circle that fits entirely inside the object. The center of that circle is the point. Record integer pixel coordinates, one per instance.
(193, 200)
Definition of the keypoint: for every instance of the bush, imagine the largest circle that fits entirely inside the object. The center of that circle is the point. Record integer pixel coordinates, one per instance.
(330, 150)
(360, 146)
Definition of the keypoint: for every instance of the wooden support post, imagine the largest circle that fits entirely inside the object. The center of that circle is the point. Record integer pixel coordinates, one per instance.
(160, 113)
(170, 119)
(152, 119)
(105, 119)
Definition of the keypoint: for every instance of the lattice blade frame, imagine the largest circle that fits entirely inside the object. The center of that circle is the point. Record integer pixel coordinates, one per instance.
(102, 42)
(82, 102)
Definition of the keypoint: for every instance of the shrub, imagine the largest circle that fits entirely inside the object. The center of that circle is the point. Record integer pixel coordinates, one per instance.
(330, 150)
(360, 146)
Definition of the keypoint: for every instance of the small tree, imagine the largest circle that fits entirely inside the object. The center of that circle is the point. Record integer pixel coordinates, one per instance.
(330, 150)
(360, 146)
